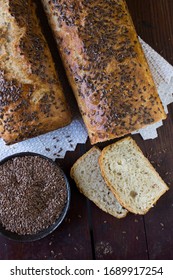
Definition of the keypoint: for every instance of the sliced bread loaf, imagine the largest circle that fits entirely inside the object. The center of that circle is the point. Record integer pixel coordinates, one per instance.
(86, 173)
(130, 176)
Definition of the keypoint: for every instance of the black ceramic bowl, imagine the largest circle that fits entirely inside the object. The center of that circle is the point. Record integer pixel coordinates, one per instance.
(51, 228)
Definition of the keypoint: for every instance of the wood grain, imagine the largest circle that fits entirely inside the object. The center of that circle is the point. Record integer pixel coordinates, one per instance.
(89, 233)
(154, 25)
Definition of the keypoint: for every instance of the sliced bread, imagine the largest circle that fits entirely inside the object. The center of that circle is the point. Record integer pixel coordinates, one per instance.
(131, 177)
(87, 176)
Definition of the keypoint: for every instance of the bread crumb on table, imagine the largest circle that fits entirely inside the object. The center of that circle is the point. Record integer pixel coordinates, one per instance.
(103, 248)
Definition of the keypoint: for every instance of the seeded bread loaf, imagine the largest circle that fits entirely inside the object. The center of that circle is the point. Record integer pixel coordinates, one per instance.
(31, 97)
(105, 65)
(86, 173)
(131, 177)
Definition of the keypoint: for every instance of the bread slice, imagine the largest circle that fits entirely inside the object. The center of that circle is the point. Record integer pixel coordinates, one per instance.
(130, 176)
(86, 173)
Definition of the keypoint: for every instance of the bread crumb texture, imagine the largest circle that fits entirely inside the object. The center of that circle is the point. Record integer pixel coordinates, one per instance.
(87, 175)
(131, 177)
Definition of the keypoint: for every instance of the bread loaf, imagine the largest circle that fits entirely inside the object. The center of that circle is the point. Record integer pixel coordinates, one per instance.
(31, 97)
(131, 177)
(105, 65)
(86, 173)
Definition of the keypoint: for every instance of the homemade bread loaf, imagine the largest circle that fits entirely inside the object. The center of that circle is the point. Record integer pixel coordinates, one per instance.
(31, 97)
(130, 176)
(105, 65)
(87, 175)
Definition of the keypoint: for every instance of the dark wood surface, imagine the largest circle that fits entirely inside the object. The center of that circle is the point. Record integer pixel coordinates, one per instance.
(88, 233)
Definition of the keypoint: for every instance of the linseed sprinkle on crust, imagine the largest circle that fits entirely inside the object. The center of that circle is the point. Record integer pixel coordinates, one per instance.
(32, 194)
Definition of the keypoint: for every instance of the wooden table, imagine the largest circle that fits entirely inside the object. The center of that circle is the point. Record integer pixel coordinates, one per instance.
(89, 233)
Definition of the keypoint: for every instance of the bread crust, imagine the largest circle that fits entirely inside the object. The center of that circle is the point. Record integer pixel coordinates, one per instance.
(72, 171)
(31, 96)
(105, 65)
(113, 188)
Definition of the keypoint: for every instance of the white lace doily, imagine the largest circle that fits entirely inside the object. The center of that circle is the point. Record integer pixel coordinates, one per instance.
(55, 144)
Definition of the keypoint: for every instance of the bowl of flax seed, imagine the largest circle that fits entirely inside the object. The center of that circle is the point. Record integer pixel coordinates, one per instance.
(34, 196)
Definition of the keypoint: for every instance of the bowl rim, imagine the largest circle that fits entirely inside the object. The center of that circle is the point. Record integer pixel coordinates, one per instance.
(43, 233)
